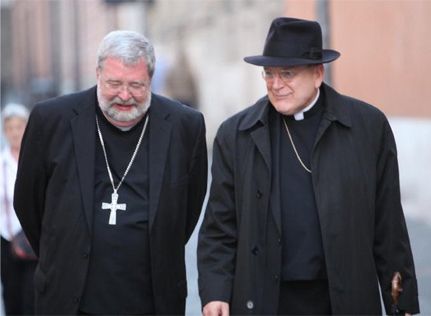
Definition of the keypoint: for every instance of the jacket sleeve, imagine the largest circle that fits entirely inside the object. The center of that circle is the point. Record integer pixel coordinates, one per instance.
(198, 179)
(29, 196)
(392, 250)
(218, 235)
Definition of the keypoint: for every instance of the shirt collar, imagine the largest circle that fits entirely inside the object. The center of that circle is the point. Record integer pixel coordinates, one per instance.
(300, 115)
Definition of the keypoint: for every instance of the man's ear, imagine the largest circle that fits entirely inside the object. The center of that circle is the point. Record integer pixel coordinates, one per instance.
(319, 73)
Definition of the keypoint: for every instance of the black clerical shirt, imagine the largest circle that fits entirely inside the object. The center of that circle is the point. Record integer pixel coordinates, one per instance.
(119, 278)
(302, 257)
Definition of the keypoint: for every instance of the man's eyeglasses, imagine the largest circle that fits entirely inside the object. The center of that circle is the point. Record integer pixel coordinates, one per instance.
(285, 75)
(136, 89)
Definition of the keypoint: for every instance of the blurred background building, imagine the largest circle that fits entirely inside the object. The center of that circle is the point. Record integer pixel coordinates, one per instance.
(48, 48)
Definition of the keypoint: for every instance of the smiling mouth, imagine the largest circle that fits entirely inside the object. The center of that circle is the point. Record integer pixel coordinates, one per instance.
(123, 107)
(282, 96)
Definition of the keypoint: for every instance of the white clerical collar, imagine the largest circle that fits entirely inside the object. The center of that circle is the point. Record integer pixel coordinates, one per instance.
(300, 115)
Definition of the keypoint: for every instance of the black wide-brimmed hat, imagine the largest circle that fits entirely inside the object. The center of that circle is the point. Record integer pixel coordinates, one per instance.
(293, 42)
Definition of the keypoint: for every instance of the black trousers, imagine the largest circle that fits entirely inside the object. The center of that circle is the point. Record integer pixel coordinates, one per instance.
(17, 282)
(304, 298)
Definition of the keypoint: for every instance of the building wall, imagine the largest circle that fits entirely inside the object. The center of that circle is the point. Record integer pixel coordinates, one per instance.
(54, 43)
(216, 36)
(385, 48)
(303, 9)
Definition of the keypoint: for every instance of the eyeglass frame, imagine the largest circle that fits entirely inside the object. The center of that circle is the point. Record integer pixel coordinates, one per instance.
(286, 79)
(135, 88)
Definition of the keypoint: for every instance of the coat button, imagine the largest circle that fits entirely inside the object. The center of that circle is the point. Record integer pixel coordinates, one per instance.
(255, 250)
(250, 304)
(76, 300)
(258, 194)
(85, 255)
(276, 277)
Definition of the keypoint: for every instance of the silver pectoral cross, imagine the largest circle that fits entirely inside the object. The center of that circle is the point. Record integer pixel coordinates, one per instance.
(113, 206)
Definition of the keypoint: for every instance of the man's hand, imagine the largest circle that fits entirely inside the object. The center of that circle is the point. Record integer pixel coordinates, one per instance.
(216, 308)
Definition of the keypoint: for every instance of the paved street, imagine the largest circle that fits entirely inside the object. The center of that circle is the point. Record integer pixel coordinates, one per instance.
(193, 306)
(420, 238)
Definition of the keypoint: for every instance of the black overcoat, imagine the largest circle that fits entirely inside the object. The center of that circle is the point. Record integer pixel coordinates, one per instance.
(54, 196)
(356, 184)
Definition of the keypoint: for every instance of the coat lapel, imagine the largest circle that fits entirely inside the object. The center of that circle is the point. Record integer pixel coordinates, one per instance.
(258, 123)
(335, 111)
(260, 137)
(275, 198)
(83, 131)
(160, 135)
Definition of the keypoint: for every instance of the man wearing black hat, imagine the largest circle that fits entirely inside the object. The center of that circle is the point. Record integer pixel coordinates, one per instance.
(304, 215)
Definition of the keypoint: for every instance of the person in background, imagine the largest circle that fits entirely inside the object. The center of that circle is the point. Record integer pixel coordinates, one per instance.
(109, 189)
(16, 269)
(180, 81)
(304, 215)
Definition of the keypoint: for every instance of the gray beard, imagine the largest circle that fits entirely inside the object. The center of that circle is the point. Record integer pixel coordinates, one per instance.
(120, 116)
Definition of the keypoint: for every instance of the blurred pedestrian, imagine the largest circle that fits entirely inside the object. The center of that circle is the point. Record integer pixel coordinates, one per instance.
(110, 186)
(180, 81)
(17, 266)
(304, 215)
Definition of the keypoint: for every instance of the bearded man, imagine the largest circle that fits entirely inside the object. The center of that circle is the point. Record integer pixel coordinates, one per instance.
(109, 188)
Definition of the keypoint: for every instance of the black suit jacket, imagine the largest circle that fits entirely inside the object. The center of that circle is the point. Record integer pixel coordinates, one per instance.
(54, 196)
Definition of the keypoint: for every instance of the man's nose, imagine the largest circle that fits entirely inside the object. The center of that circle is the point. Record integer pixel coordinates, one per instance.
(124, 93)
(277, 82)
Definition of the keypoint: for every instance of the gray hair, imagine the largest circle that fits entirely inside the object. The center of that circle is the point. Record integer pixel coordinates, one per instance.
(14, 110)
(129, 47)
